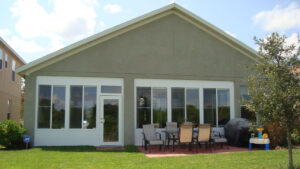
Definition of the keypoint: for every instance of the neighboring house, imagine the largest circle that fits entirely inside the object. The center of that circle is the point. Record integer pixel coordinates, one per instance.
(10, 83)
(167, 65)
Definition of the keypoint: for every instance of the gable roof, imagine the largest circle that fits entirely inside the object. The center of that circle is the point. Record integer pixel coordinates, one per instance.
(132, 24)
(12, 50)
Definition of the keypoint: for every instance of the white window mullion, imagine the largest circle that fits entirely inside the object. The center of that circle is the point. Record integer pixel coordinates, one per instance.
(151, 105)
(82, 108)
(169, 99)
(217, 109)
(185, 115)
(51, 100)
(67, 107)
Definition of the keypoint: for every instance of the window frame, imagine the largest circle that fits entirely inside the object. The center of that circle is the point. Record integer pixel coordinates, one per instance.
(187, 84)
(51, 106)
(68, 81)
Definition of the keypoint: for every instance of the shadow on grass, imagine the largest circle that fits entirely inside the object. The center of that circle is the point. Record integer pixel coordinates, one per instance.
(128, 149)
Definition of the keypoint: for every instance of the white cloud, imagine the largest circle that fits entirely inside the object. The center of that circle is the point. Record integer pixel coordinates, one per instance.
(231, 34)
(24, 46)
(102, 24)
(5, 32)
(70, 20)
(112, 8)
(279, 19)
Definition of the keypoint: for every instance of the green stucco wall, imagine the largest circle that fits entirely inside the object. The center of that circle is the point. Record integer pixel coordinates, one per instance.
(168, 48)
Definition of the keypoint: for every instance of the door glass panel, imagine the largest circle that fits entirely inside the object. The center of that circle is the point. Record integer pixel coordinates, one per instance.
(143, 102)
(111, 117)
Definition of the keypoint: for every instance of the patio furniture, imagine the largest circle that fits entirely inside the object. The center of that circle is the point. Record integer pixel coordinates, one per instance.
(204, 136)
(185, 135)
(171, 132)
(218, 139)
(150, 137)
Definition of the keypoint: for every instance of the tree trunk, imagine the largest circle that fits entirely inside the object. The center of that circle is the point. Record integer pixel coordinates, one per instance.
(291, 166)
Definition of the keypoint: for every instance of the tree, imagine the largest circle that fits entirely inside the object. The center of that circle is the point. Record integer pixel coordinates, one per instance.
(275, 86)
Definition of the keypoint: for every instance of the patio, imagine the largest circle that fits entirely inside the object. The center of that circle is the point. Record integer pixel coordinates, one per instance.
(182, 150)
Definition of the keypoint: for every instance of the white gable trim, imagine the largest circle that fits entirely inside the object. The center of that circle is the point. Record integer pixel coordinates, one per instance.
(130, 25)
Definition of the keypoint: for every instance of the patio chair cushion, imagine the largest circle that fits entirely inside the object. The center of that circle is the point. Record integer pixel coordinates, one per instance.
(156, 142)
(204, 133)
(186, 134)
(149, 132)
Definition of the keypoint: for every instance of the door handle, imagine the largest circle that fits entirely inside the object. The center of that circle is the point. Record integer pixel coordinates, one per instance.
(102, 121)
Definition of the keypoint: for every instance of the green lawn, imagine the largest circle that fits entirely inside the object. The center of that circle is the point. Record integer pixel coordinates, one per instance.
(88, 157)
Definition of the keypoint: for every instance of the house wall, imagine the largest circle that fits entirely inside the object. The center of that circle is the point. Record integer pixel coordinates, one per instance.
(9, 90)
(168, 48)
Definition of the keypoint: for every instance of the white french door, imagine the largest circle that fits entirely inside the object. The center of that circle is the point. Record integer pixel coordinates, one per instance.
(111, 130)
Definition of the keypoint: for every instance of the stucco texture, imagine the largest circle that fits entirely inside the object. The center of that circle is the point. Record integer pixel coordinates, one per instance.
(167, 48)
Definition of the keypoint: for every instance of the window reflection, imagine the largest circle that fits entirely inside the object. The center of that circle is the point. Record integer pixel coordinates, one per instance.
(58, 107)
(143, 106)
(90, 94)
(192, 106)
(178, 105)
(160, 106)
(210, 106)
(223, 106)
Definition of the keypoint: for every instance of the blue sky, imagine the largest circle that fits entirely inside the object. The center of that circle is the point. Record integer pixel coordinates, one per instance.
(35, 28)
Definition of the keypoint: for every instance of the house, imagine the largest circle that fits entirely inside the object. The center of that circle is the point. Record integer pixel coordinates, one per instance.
(10, 83)
(167, 65)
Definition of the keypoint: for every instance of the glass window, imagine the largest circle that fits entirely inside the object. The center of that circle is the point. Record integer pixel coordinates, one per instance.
(13, 68)
(209, 106)
(1, 58)
(143, 102)
(178, 105)
(244, 98)
(6, 60)
(192, 105)
(58, 107)
(76, 106)
(44, 106)
(223, 106)
(160, 106)
(111, 89)
(90, 95)
(8, 109)
(111, 126)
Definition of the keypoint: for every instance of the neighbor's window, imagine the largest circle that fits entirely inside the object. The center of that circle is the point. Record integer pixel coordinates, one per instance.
(58, 106)
(1, 58)
(192, 105)
(178, 105)
(160, 106)
(8, 109)
(143, 102)
(6, 60)
(111, 89)
(223, 106)
(13, 68)
(244, 98)
(83, 107)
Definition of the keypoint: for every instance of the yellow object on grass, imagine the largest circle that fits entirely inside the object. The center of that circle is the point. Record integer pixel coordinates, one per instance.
(265, 135)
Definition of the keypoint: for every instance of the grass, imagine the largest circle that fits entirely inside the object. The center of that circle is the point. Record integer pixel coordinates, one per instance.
(88, 157)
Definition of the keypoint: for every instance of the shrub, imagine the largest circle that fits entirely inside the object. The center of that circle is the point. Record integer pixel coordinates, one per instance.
(11, 134)
(296, 137)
